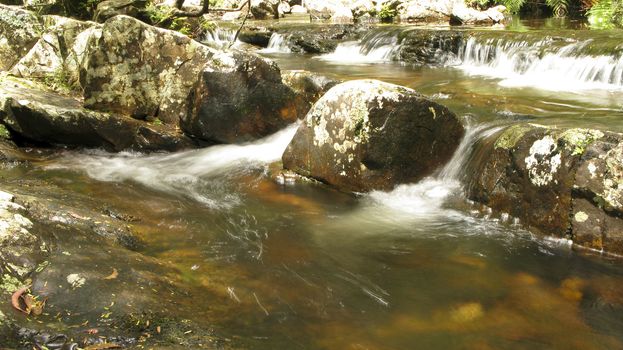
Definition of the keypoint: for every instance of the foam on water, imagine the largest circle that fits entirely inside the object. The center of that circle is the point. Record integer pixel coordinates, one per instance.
(376, 47)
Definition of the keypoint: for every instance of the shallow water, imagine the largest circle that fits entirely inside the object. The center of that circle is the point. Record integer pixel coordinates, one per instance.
(302, 266)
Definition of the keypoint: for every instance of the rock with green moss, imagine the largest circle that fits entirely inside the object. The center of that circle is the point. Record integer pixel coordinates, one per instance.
(19, 31)
(365, 134)
(241, 99)
(561, 182)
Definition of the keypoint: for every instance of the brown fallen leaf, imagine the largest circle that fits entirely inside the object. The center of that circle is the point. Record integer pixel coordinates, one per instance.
(16, 297)
(33, 306)
(113, 275)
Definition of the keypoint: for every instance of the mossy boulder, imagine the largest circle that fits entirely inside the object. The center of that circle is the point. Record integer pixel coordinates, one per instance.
(364, 135)
(566, 183)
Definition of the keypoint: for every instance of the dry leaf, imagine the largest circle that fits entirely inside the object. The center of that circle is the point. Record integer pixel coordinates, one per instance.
(113, 275)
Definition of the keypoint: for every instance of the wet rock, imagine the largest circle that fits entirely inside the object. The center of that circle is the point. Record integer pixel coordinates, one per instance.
(46, 117)
(304, 39)
(258, 36)
(366, 134)
(429, 47)
(20, 249)
(244, 100)
(19, 31)
(309, 87)
(141, 71)
(110, 8)
(560, 182)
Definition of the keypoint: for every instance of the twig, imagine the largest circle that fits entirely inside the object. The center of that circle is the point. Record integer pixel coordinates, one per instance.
(241, 25)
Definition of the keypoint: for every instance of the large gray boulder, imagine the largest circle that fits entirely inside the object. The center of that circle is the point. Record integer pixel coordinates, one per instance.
(19, 31)
(566, 183)
(366, 134)
(47, 117)
(142, 71)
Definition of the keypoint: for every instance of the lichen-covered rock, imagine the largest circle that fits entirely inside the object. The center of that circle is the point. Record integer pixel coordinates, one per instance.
(50, 118)
(366, 134)
(561, 182)
(461, 14)
(110, 8)
(54, 56)
(19, 31)
(264, 9)
(242, 100)
(142, 71)
(309, 87)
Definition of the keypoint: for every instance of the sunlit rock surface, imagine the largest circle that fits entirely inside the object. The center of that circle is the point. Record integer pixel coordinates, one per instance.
(561, 182)
(366, 134)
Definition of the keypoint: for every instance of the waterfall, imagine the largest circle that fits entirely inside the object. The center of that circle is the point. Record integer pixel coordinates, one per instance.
(278, 43)
(541, 65)
(220, 37)
(374, 47)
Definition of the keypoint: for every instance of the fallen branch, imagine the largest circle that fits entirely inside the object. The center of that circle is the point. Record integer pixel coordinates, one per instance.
(241, 25)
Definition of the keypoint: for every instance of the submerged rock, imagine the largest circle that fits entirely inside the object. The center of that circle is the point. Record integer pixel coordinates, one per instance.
(47, 117)
(366, 134)
(561, 182)
(243, 100)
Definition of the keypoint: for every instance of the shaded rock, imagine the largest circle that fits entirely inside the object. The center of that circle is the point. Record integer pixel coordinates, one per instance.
(323, 39)
(50, 118)
(308, 86)
(429, 47)
(258, 36)
(19, 31)
(263, 9)
(560, 182)
(366, 134)
(141, 71)
(110, 8)
(243, 100)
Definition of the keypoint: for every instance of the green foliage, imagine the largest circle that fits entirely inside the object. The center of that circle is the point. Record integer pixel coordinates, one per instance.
(387, 14)
(513, 6)
(159, 14)
(60, 81)
(559, 7)
(479, 4)
(606, 14)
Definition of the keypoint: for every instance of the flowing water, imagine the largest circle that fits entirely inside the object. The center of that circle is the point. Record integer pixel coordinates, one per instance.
(301, 266)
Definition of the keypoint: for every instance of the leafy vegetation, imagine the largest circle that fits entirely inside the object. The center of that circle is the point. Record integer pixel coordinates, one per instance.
(606, 14)
(387, 13)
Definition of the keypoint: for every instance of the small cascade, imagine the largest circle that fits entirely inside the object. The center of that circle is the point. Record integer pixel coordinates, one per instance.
(375, 47)
(278, 43)
(541, 65)
(427, 197)
(220, 38)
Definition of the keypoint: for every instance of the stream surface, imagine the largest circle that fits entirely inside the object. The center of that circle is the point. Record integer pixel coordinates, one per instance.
(301, 266)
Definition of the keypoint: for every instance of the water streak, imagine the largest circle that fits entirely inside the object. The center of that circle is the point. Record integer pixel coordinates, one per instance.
(376, 47)
(198, 174)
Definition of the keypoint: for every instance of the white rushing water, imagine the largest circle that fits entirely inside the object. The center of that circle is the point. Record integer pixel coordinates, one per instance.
(376, 47)
(221, 38)
(197, 174)
(278, 43)
(427, 197)
(521, 64)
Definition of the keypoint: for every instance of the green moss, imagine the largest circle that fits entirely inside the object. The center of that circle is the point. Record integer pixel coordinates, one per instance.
(9, 284)
(60, 81)
(4, 133)
(577, 140)
(509, 138)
